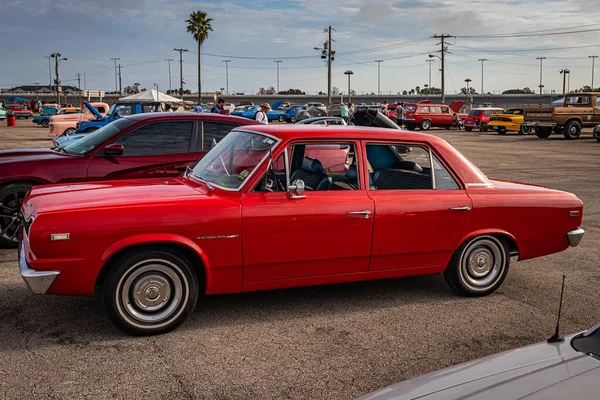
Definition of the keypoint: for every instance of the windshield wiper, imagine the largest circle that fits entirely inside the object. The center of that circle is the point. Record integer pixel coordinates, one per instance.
(201, 179)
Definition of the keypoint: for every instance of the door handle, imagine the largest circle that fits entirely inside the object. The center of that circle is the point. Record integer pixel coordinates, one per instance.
(366, 213)
(463, 208)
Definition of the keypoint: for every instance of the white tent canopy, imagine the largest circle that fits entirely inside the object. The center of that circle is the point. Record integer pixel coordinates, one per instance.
(151, 96)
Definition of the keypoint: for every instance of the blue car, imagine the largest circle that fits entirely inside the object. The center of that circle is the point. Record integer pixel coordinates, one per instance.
(290, 114)
(44, 120)
(277, 112)
(238, 111)
(250, 112)
(63, 141)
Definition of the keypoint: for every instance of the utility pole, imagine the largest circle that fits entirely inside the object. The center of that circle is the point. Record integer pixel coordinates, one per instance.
(120, 85)
(181, 51)
(49, 71)
(349, 72)
(429, 61)
(564, 73)
(37, 91)
(115, 59)
(169, 61)
(79, 85)
(227, 76)
(469, 93)
(278, 62)
(482, 60)
(57, 60)
(378, 76)
(442, 58)
(541, 61)
(593, 59)
(84, 81)
(327, 53)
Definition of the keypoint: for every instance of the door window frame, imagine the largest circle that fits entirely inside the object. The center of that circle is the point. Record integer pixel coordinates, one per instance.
(191, 145)
(364, 143)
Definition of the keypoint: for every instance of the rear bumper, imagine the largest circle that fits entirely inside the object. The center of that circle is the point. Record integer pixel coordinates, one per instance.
(543, 124)
(38, 281)
(575, 236)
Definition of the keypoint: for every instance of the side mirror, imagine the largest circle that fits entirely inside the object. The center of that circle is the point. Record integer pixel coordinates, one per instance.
(115, 149)
(296, 189)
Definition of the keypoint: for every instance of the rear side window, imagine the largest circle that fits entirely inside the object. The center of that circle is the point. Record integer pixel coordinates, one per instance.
(213, 133)
(423, 110)
(156, 138)
(435, 110)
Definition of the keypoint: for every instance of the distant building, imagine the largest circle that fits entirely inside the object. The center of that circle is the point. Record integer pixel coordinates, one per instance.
(42, 89)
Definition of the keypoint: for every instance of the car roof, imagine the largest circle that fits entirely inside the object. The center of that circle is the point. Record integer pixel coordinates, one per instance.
(190, 115)
(338, 132)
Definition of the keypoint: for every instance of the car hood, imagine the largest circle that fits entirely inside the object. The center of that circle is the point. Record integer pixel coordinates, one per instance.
(107, 194)
(541, 371)
(456, 105)
(93, 110)
(27, 155)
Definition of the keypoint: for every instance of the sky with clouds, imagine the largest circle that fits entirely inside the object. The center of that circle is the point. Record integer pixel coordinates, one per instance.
(143, 33)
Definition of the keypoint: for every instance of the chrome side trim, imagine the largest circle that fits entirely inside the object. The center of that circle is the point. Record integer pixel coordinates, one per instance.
(38, 281)
(463, 208)
(479, 184)
(575, 236)
(217, 237)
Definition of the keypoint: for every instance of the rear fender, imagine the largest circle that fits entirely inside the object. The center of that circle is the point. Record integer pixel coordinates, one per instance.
(514, 246)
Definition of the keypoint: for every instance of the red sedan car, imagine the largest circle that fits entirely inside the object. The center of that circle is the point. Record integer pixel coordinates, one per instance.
(141, 146)
(258, 212)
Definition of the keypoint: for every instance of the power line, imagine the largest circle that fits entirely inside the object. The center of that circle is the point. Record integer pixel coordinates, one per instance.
(516, 35)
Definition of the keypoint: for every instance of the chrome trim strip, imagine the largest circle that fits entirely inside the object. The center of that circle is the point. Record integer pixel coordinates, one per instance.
(217, 237)
(575, 236)
(478, 184)
(38, 281)
(432, 168)
(286, 160)
(463, 208)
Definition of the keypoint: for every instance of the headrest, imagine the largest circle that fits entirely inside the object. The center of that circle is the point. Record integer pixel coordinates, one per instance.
(410, 165)
(352, 173)
(381, 156)
(313, 165)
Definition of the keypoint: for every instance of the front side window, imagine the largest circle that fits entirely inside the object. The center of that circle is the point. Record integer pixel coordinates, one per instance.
(475, 113)
(406, 167)
(234, 159)
(157, 138)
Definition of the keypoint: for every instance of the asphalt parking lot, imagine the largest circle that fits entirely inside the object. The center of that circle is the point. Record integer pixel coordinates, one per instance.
(328, 342)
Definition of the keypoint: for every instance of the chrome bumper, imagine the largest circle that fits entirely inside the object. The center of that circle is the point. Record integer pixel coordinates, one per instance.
(575, 236)
(38, 281)
(535, 124)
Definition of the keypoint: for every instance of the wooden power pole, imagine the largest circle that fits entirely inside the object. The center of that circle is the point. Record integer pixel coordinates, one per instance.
(443, 50)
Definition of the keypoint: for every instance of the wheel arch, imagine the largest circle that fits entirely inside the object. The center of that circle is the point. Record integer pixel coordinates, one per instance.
(26, 180)
(189, 249)
(576, 119)
(502, 235)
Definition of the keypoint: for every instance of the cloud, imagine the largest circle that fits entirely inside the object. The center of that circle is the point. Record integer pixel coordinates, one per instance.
(375, 12)
(279, 40)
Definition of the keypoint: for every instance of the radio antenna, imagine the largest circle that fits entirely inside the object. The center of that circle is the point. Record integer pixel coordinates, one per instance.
(556, 338)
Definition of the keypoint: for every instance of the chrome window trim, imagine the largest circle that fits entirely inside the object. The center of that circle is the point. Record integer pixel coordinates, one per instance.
(258, 166)
(432, 168)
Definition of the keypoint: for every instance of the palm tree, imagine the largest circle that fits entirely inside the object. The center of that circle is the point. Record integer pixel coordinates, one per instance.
(199, 26)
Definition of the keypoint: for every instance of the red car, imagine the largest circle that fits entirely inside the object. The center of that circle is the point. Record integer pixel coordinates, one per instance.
(405, 205)
(141, 146)
(427, 115)
(480, 117)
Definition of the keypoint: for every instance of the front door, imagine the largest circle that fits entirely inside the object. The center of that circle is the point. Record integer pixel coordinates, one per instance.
(154, 150)
(327, 232)
(421, 212)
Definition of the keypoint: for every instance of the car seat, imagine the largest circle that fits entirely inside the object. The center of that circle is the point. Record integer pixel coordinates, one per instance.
(313, 174)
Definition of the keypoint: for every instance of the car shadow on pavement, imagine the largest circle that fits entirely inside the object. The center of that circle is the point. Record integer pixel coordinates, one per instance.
(29, 322)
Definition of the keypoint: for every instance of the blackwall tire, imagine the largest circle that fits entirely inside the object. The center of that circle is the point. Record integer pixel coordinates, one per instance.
(478, 267)
(572, 130)
(11, 199)
(152, 291)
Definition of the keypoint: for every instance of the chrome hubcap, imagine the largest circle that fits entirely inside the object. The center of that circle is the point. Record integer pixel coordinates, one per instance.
(482, 264)
(152, 291)
(573, 130)
(10, 218)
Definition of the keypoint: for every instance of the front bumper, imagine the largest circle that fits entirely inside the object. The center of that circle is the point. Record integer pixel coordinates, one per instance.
(575, 236)
(38, 281)
(536, 124)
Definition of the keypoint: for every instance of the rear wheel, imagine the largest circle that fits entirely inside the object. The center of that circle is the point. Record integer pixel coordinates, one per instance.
(410, 127)
(11, 200)
(483, 127)
(45, 123)
(597, 133)
(543, 133)
(469, 129)
(293, 119)
(280, 118)
(425, 125)
(525, 130)
(478, 267)
(501, 130)
(150, 291)
(572, 130)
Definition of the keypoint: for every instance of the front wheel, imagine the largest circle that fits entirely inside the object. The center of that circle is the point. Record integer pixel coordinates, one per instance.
(410, 127)
(11, 199)
(478, 267)
(45, 123)
(69, 131)
(543, 133)
(425, 125)
(150, 291)
(280, 118)
(483, 127)
(501, 130)
(293, 119)
(525, 130)
(597, 133)
(469, 129)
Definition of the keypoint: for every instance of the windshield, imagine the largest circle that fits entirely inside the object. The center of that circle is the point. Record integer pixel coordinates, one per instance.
(234, 159)
(475, 113)
(515, 111)
(92, 140)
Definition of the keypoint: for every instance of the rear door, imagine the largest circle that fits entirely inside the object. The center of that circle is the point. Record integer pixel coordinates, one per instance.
(153, 150)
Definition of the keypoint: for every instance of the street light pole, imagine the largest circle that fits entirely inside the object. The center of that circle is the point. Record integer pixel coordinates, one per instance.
(593, 59)
(49, 71)
(429, 61)
(378, 76)
(541, 85)
(115, 59)
(169, 61)
(349, 72)
(469, 93)
(57, 59)
(482, 60)
(227, 76)
(278, 62)
(564, 73)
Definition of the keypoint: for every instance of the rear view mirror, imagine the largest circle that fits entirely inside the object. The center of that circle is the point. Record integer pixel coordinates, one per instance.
(115, 149)
(296, 189)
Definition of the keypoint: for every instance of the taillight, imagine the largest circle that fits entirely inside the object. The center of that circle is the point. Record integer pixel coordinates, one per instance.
(506, 119)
